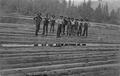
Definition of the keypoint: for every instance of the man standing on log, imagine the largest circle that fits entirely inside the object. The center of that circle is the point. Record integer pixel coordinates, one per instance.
(64, 25)
(85, 31)
(80, 27)
(69, 28)
(52, 29)
(72, 26)
(37, 20)
(59, 29)
(45, 25)
(76, 26)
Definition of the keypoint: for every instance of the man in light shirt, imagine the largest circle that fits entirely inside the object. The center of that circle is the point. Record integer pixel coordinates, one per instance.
(69, 27)
(72, 25)
(59, 29)
(52, 24)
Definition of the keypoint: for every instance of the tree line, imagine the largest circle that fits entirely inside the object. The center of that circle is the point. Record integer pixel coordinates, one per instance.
(62, 7)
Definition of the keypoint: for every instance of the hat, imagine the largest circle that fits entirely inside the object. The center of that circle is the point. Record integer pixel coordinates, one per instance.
(53, 15)
(86, 19)
(39, 13)
(81, 19)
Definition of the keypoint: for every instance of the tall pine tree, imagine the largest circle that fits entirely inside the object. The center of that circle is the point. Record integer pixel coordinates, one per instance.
(105, 12)
(98, 13)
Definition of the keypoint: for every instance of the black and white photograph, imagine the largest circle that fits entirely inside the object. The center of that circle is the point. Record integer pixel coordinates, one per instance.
(59, 37)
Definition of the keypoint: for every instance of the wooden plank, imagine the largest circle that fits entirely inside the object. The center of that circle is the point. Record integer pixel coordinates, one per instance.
(35, 69)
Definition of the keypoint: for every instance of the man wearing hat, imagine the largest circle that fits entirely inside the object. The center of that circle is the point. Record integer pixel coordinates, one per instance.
(45, 25)
(52, 24)
(80, 27)
(85, 31)
(72, 26)
(69, 27)
(37, 20)
(76, 27)
(59, 29)
(64, 25)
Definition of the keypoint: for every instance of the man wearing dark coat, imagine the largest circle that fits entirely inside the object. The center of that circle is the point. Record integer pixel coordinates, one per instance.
(85, 31)
(64, 25)
(76, 26)
(37, 20)
(80, 28)
(45, 25)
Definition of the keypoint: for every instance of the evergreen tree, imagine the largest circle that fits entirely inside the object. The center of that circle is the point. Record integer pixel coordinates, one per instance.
(61, 7)
(118, 13)
(113, 16)
(89, 10)
(84, 9)
(3, 3)
(69, 3)
(105, 12)
(98, 13)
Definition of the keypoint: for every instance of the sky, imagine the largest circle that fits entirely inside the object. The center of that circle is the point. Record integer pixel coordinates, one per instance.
(81, 0)
(78, 1)
(93, 0)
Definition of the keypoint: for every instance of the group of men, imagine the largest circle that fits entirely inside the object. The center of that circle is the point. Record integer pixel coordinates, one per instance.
(66, 26)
